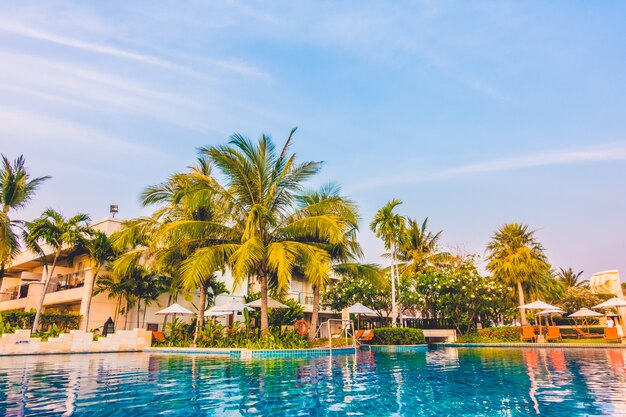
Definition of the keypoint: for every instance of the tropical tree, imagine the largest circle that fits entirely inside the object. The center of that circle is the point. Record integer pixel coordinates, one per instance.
(267, 235)
(100, 252)
(568, 278)
(389, 227)
(419, 248)
(346, 252)
(119, 289)
(517, 259)
(56, 232)
(16, 190)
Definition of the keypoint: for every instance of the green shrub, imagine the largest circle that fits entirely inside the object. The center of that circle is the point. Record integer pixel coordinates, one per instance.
(398, 336)
(493, 335)
(63, 320)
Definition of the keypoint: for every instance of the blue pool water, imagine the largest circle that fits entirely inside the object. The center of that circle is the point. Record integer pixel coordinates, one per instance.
(441, 382)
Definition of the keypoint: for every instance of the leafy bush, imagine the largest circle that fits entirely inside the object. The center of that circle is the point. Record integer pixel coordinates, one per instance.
(493, 335)
(64, 321)
(398, 336)
(279, 316)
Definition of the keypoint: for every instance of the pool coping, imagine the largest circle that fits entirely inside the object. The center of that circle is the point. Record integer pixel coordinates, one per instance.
(539, 345)
(242, 353)
(395, 348)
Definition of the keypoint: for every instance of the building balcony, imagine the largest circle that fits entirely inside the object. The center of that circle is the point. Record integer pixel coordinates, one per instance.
(304, 298)
(69, 281)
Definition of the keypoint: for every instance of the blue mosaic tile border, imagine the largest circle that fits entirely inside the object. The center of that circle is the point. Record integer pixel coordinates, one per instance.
(300, 353)
(396, 348)
(539, 345)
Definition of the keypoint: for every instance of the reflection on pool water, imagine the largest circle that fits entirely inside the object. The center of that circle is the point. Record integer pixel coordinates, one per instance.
(445, 381)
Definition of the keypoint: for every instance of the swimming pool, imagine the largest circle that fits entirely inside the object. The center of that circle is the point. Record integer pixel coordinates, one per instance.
(442, 382)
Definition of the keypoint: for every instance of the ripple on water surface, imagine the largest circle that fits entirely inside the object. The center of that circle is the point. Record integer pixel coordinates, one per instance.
(442, 382)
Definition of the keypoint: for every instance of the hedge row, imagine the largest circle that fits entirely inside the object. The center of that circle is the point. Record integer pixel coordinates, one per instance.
(398, 336)
(65, 321)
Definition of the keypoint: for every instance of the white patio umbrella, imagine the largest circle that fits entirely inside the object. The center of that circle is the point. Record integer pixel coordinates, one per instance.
(231, 307)
(175, 309)
(585, 313)
(217, 313)
(550, 311)
(538, 305)
(359, 309)
(271, 303)
(612, 303)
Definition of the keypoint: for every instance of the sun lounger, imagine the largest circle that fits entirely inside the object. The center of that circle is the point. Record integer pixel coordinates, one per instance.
(358, 334)
(158, 337)
(586, 335)
(554, 333)
(528, 333)
(610, 333)
(366, 336)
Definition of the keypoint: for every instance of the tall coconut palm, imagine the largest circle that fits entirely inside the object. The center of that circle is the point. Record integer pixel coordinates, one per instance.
(419, 248)
(343, 254)
(389, 226)
(568, 278)
(517, 259)
(267, 235)
(100, 252)
(16, 190)
(56, 232)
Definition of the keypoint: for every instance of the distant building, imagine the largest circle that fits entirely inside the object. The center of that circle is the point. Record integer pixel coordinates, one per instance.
(21, 288)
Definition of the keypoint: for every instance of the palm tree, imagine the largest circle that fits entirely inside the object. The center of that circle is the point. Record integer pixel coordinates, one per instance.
(265, 234)
(16, 190)
(568, 278)
(389, 226)
(419, 248)
(56, 232)
(344, 254)
(517, 259)
(100, 252)
(116, 288)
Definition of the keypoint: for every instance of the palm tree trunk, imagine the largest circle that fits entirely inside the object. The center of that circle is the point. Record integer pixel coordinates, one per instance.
(89, 296)
(169, 302)
(264, 320)
(399, 312)
(315, 314)
(138, 311)
(118, 306)
(394, 307)
(522, 312)
(126, 315)
(43, 293)
(201, 304)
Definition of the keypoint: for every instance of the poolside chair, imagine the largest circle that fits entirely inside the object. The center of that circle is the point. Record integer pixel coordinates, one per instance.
(528, 333)
(358, 334)
(158, 337)
(366, 336)
(610, 333)
(554, 333)
(586, 335)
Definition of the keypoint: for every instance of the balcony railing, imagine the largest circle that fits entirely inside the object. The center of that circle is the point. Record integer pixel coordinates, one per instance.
(302, 297)
(14, 293)
(67, 281)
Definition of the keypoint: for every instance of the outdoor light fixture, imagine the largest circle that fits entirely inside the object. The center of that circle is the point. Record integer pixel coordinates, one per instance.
(113, 210)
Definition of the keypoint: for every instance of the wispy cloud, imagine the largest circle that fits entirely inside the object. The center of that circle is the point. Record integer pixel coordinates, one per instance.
(103, 49)
(607, 152)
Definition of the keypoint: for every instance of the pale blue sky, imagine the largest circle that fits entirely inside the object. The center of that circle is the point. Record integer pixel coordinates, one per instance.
(472, 113)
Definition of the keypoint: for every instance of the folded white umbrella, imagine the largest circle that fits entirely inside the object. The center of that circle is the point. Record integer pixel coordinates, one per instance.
(613, 302)
(175, 309)
(271, 303)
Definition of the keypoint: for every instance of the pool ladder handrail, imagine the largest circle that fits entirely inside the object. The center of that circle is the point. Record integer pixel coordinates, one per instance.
(349, 324)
